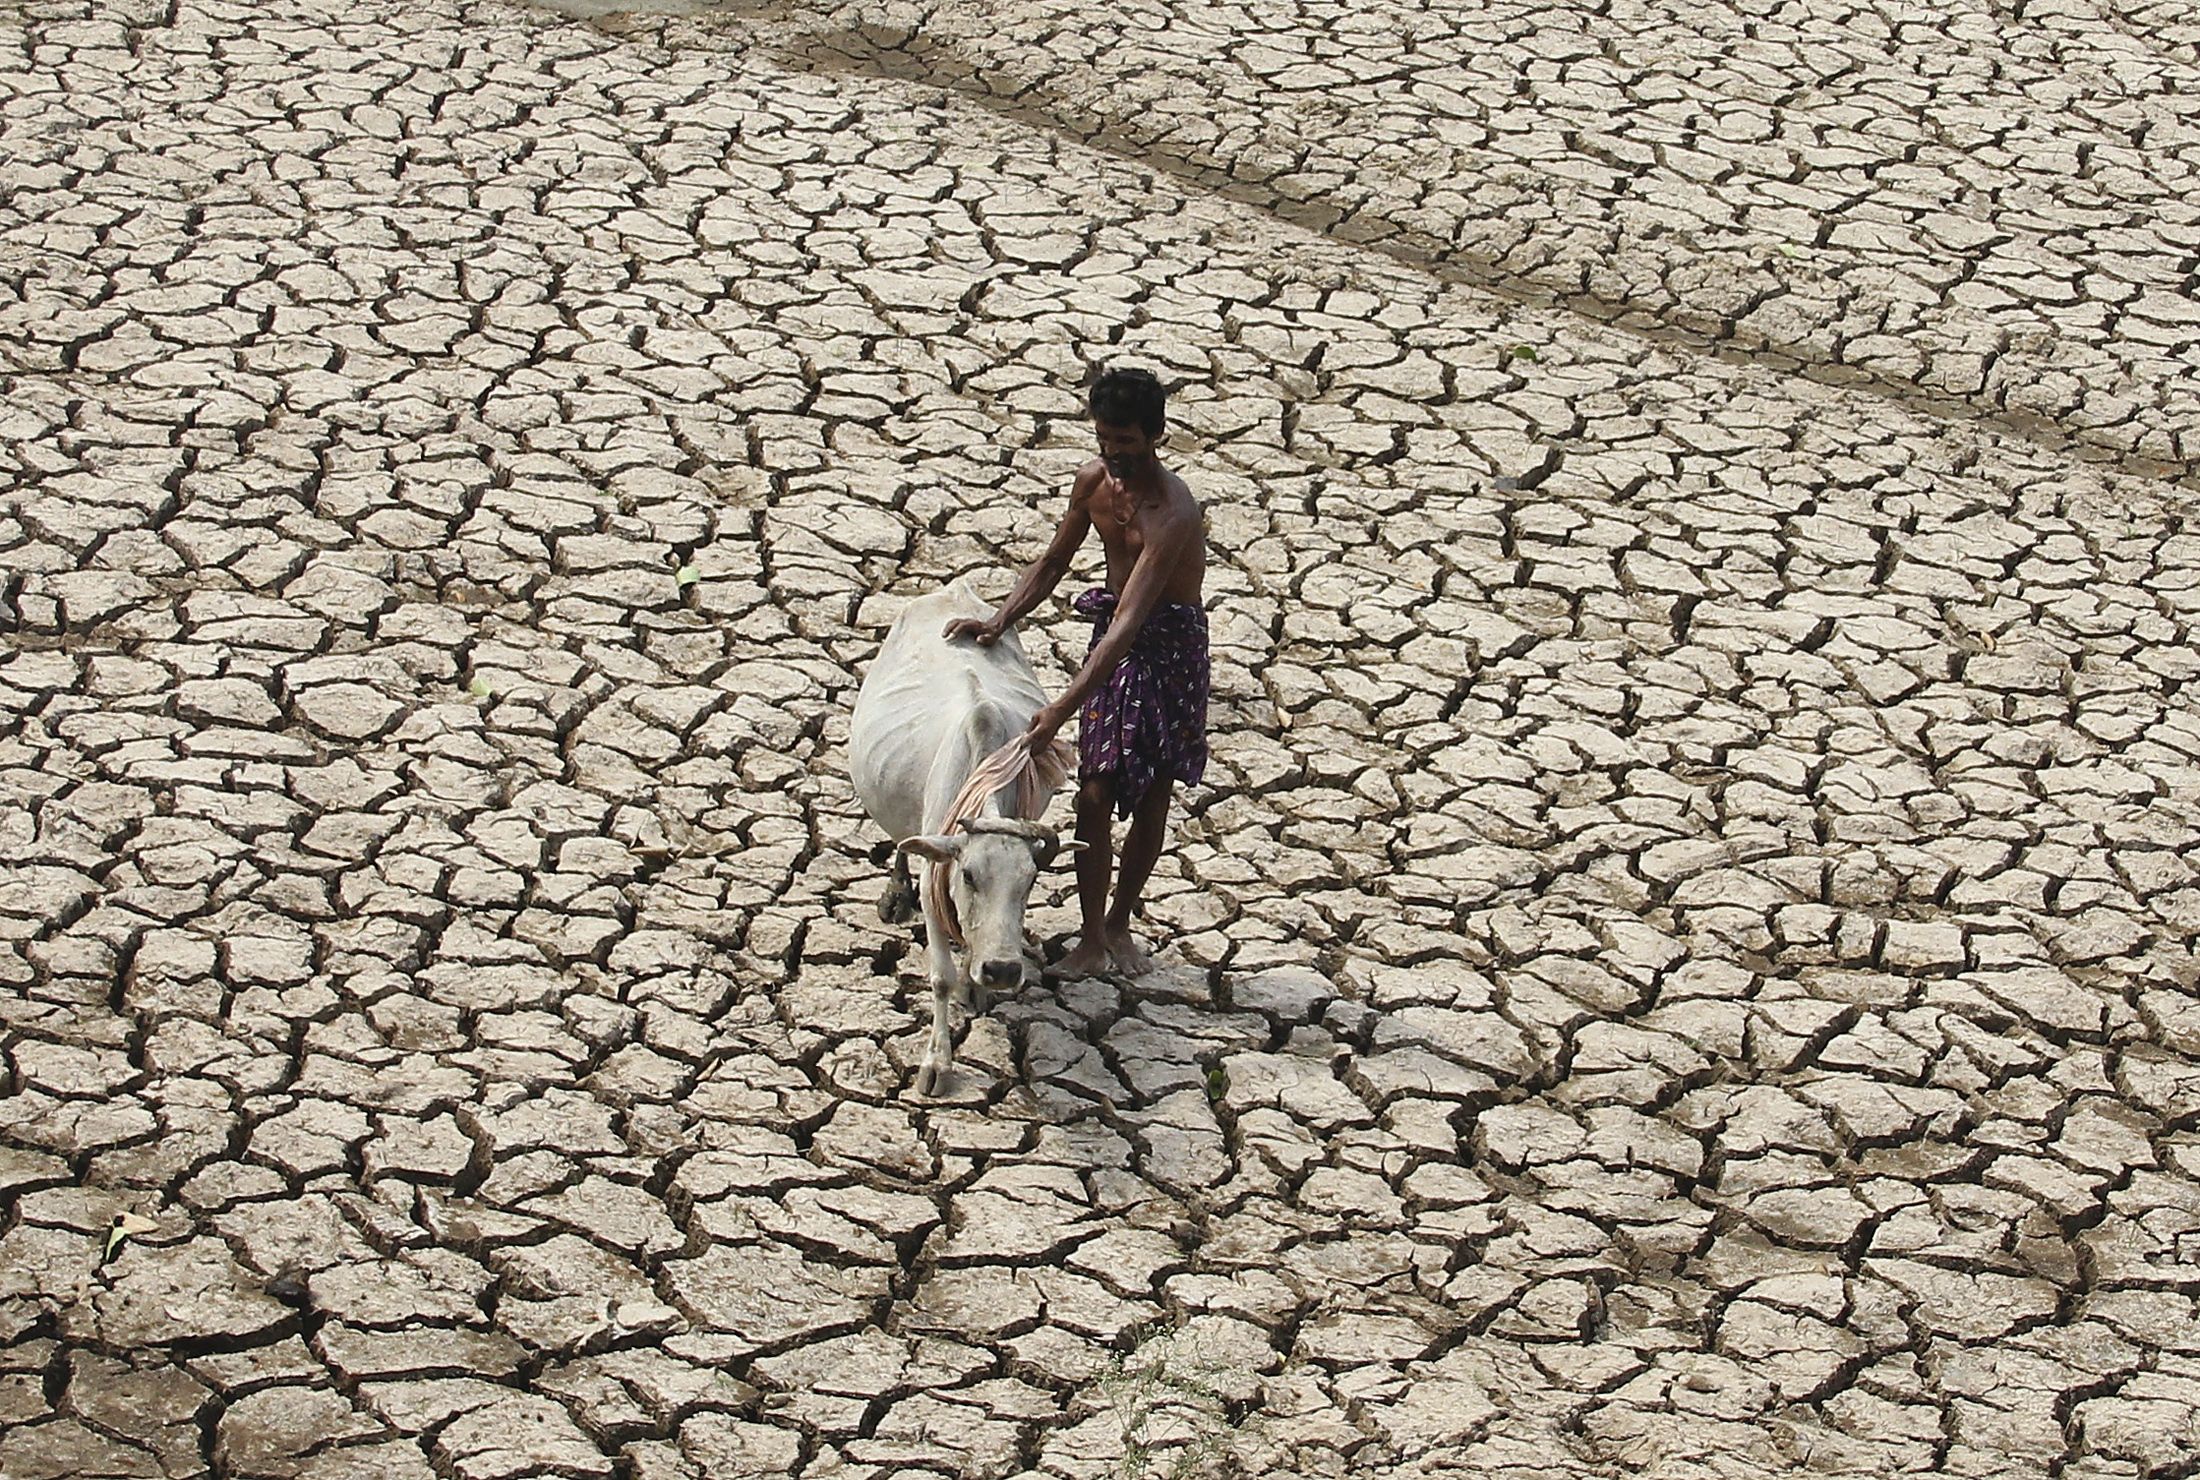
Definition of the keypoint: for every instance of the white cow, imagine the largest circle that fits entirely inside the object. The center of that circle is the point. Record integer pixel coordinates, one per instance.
(928, 712)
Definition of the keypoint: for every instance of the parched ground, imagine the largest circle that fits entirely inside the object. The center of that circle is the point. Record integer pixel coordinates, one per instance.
(1684, 968)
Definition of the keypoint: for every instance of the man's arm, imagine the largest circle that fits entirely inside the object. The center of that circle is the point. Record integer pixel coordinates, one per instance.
(1041, 576)
(1140, 595)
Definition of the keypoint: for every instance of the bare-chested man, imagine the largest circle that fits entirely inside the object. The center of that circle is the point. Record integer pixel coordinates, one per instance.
(1141, 696)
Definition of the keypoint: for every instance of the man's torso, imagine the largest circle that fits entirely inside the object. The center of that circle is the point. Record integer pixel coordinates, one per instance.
(1125, 524)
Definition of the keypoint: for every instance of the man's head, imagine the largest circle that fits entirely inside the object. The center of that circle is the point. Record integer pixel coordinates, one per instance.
(1129, 413)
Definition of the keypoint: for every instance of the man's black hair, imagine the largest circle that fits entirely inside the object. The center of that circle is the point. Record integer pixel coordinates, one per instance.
(1129, 398)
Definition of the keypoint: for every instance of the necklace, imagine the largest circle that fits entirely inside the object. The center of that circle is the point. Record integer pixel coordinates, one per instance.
(1124, 507)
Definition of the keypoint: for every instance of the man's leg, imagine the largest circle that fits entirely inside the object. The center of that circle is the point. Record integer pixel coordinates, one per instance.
(1095, 818)
(1141, 848)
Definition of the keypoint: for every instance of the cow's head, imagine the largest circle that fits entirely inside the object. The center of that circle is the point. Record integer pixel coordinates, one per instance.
(991, 864)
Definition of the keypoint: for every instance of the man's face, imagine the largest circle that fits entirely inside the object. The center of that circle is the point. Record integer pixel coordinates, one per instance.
(1124, 449)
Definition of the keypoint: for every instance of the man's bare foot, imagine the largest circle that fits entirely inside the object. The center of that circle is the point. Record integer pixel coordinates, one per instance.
(1126, 955)
(1090, 958)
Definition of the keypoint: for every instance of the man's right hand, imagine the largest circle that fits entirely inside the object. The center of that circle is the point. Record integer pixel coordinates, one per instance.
(978, 629)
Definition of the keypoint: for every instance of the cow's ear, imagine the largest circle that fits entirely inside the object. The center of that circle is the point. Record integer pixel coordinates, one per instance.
(1047, 850)
(939, 849)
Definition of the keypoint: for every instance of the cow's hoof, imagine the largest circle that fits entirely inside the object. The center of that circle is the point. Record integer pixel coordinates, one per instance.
(898, 905)
(930, 1080)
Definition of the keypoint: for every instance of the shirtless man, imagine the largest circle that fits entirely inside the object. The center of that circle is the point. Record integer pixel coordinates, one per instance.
(1141, 696)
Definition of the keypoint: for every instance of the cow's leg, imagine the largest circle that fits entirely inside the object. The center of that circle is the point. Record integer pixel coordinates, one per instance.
(939, 1054)
(898, 905)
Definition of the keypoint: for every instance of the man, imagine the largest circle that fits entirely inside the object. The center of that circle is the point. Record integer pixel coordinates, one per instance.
(1141, 696)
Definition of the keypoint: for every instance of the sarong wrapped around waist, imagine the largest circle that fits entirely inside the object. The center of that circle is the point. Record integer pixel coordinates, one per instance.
(1149, 720)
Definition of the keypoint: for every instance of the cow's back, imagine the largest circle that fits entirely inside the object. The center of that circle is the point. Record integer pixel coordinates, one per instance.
(930, 709)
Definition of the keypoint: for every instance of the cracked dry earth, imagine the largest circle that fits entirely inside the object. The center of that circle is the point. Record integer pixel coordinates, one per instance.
(1684, 968)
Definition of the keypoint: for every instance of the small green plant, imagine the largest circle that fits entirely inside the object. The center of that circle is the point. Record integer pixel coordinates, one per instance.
(126, 1226)
(1522, 352)
(1170, 1404)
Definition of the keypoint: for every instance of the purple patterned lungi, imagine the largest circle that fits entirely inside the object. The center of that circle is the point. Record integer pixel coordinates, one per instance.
(1149, 720)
